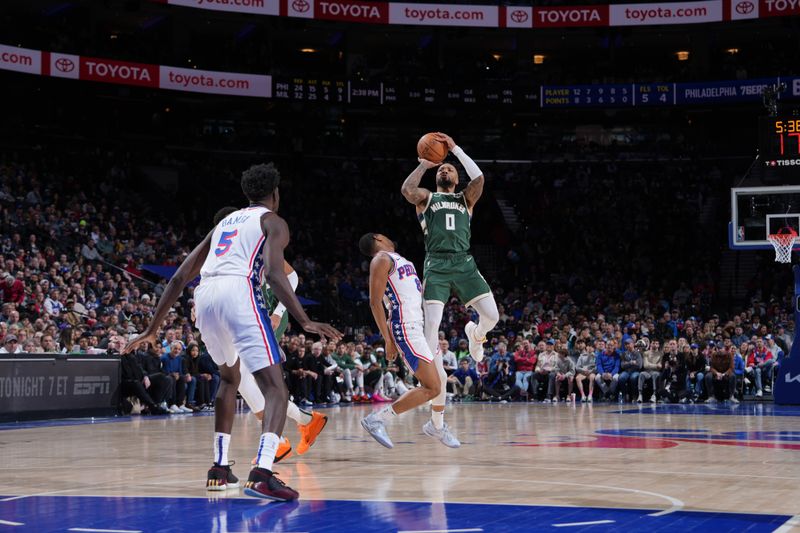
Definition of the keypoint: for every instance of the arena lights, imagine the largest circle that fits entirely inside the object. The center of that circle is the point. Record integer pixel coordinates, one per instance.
(538, 59)
(497, 57)
(683, 55)
(308, 50)
(732, 51)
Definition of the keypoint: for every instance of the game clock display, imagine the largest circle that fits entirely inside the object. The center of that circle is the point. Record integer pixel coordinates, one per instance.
(780, 141)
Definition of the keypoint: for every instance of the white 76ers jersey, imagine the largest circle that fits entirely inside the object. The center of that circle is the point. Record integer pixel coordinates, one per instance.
(403, 296)
(236, 245)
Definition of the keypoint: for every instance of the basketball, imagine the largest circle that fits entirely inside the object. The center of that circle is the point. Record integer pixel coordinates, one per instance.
(431, 149)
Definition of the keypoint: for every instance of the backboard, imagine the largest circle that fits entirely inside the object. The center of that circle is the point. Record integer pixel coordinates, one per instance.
(759, 211)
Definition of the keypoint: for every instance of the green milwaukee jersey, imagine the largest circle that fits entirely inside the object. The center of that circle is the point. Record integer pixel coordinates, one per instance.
(445, 223)
(272, 303)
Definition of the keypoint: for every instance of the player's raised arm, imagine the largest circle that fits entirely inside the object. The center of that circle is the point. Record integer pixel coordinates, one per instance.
(411, 190)
(277, 233)
(474, 188)
(379, 269)
(189, 269)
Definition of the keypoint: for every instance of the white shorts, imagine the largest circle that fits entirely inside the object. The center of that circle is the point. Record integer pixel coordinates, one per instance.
(410, 339)
(234, 321)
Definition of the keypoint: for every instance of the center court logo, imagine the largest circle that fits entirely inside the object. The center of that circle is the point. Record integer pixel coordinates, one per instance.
(745, 8)
(64, 64)
(519, 16)
(301, 6)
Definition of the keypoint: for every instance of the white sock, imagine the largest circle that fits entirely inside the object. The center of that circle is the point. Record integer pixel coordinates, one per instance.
(297, 414)
(386, 414)
(221, 443)
(267, 447)
(437, 417)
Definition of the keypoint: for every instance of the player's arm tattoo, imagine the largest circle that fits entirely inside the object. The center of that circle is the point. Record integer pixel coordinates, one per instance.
(474, 191)
(411, 190)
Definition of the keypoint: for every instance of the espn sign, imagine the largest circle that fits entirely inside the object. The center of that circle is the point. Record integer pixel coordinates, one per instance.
(120, 72)
(91, 385)
(562, 17)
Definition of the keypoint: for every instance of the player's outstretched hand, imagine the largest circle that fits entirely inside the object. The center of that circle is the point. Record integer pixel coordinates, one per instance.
(325, 331)
(427, 164)
(446, 139)
(148, 337)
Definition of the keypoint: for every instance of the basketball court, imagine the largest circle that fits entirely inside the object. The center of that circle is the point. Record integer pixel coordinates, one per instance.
(520, 468)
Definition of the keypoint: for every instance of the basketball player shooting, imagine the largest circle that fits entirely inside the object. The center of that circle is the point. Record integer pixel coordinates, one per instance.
(232, 319)
(393, 284)
(445, 217)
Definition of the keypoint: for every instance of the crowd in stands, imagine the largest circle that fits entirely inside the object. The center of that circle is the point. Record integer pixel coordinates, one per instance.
(596, 327)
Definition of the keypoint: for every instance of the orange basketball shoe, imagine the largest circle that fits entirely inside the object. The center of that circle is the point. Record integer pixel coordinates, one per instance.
(310, 431)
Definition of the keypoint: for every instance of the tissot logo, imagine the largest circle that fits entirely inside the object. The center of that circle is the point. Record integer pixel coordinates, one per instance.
(519, 16)
(745, 8)
(301, 6)
(65, 65)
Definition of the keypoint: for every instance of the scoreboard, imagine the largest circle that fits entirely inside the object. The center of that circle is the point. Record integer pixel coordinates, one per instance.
(507, 93)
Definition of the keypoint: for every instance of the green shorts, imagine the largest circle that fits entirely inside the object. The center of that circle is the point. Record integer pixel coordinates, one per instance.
(281, 329)
(453, 273)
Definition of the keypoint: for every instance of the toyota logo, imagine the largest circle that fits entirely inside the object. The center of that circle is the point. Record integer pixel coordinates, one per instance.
(745, 8)
(301, 6)
(519, 16)
(65, 64)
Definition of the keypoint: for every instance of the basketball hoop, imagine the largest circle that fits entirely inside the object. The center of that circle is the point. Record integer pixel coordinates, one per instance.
(783, 241)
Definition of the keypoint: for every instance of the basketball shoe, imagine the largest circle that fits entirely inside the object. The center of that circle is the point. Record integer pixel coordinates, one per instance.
(262, 483)
(475, 344)
(377, 429)
(221, 478)
(443, 435)
(310, 431)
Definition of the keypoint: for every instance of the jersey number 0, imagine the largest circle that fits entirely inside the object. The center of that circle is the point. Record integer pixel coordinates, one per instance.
(450, 221)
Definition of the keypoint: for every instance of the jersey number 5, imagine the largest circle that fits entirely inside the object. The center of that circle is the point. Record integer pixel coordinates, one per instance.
(225, 242)
(450, 221)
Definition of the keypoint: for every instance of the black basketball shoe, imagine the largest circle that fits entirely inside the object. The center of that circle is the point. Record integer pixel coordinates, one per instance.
(262, 483)
(221, 478)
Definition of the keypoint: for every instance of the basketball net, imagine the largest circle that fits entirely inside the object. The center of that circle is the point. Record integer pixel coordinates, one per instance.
(783, 241)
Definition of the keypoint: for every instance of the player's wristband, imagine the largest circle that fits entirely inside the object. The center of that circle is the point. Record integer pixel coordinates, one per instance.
(280, 309)
(469, 165)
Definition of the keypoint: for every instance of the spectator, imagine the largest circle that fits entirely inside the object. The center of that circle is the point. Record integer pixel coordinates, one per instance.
(198, 390)
(13, 290)
(585, 369)
(721, 375)
(630, 366)
(673, 373)
(136, 383)
(545, 370)
(565, 371)
(651, 370)
(174, 366)
(89, 252)
(502, 355)
(11, 345)
(346, 367)
(464, 380)
(759, 365)
(449, 360)
(695, 368)
(608, 364)
(524, 363)
(500, 383)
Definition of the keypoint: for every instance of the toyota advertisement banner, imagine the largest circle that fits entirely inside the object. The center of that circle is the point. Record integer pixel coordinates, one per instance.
(130, 73)
(492, 16)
